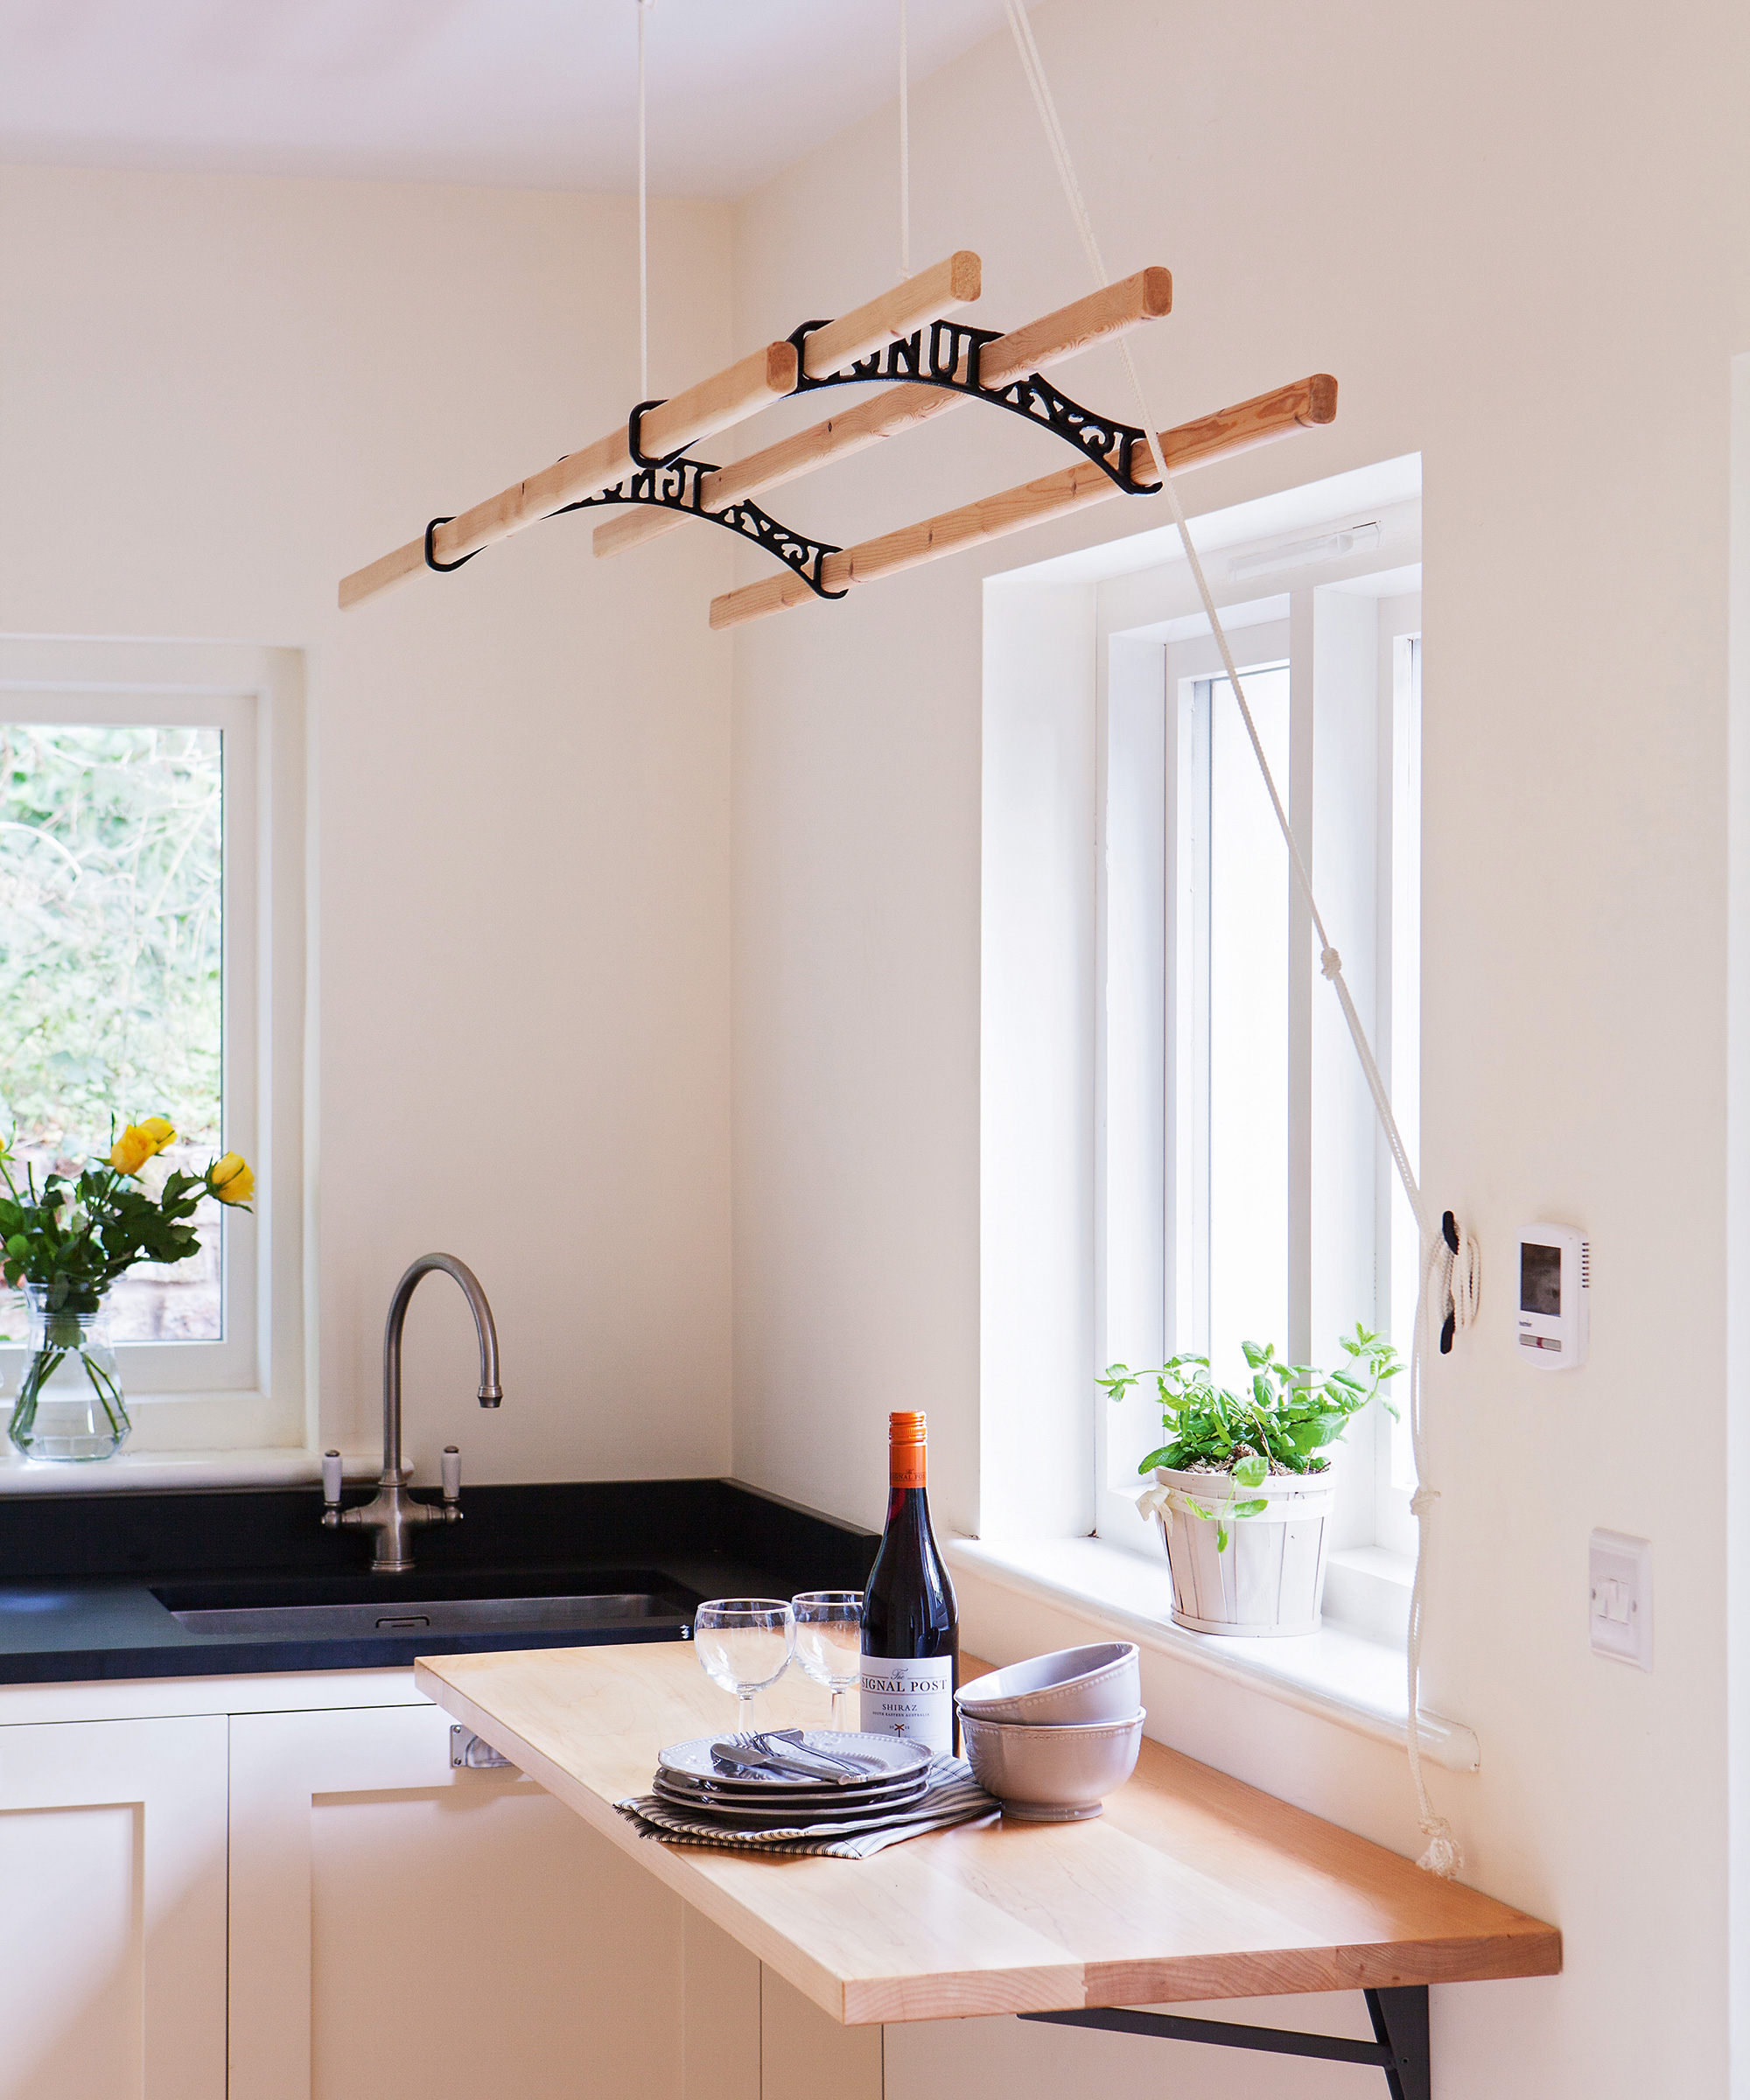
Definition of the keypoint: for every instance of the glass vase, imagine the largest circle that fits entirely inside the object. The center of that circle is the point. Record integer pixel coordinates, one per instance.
(70, 1404)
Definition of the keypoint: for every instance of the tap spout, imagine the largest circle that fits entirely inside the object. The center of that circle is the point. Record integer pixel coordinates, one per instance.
(491, 1393)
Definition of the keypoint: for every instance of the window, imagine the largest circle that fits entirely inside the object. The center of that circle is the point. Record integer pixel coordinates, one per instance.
(1245, 1192)
(151, 937)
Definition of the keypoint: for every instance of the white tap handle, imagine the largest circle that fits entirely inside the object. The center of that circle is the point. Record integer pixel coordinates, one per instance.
(452, 1474)
(331, 1477)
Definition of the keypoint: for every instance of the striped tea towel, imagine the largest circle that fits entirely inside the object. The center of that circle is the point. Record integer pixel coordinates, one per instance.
(952, 1796)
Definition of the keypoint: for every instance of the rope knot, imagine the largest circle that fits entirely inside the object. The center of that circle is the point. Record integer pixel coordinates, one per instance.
(1444, 1856)
(1330, 962)
(1423, 1501)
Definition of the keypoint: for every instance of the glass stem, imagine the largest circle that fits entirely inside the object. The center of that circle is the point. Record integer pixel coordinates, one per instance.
(744, 1713)
(837, 1710)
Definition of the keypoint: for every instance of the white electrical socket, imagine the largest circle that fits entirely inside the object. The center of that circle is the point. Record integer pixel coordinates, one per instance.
(1621, 1600)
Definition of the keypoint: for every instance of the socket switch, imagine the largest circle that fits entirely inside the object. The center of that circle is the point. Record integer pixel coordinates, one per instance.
(1621, 1606)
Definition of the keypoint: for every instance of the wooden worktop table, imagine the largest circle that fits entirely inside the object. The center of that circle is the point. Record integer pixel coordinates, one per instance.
(1191, 1886)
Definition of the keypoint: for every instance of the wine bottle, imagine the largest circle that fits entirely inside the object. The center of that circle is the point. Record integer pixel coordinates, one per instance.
(910, 1624)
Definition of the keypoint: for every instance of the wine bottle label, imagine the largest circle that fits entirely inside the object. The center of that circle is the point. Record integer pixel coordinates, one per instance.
(911, 1695)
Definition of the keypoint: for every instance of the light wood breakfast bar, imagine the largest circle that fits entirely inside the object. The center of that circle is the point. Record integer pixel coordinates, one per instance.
(1190, 1886)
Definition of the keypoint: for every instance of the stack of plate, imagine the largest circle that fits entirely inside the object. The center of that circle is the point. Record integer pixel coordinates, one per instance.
(890, 1773)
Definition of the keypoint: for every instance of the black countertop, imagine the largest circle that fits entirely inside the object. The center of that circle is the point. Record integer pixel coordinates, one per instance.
(90, 1584)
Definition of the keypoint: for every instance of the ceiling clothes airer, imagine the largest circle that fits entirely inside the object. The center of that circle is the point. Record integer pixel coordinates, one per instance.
(902, 340)
(900, 337)
(1451, 1272)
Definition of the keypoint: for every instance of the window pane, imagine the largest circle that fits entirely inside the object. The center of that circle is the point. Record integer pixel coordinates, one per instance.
(1248, 1025)
(111, 951)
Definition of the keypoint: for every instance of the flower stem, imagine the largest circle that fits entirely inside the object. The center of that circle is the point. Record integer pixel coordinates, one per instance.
(108, 1394)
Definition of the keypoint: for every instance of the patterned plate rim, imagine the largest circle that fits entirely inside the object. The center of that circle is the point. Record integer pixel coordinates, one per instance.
(773, 1797)
(682, 1787)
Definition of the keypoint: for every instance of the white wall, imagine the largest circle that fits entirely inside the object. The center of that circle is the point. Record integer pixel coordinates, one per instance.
(1516, 237)
(216, 395)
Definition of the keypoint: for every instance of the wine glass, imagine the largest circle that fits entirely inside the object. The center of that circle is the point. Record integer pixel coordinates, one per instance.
(745, 1644)
(830, 1640)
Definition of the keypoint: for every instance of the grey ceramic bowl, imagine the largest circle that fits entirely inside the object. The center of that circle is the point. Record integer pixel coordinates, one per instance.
(1051, 1774)
(1102, 1682)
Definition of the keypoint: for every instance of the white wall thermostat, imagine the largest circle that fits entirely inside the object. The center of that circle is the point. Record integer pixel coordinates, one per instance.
(1554, 1296)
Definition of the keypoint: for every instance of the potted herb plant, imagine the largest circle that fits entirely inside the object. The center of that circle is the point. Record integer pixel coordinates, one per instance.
(66, 1244)
(1242, 1494)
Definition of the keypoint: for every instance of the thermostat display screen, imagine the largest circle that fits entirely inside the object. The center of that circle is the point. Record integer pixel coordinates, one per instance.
(1540, 1279)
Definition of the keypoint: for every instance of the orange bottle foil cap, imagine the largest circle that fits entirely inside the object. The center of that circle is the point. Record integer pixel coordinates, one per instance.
(906, 1428)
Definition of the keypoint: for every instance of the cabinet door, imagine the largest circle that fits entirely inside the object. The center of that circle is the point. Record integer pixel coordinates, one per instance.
(401, 1928)
(749, 2035)
(112, 1910)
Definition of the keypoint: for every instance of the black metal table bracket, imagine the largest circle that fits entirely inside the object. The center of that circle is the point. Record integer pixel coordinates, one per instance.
(1399, 2047)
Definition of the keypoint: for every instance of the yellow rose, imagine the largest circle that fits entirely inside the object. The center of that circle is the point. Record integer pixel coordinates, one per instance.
(141, 1142)
(230, 1179)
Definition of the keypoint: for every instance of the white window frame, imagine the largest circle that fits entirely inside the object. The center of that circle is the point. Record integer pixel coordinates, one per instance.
(1400, 1044)
(255, 1389)
(1346, 636)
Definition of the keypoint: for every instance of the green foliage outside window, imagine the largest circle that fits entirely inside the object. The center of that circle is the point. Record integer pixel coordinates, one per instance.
(111, 942)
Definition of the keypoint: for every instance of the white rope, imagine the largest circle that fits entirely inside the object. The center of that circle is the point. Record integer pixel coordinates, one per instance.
(1443, 1856)
(905, 152)
(1457, 1294)
(644, 7)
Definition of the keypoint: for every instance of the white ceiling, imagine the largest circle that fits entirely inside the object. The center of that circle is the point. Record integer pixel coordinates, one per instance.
(537, 92)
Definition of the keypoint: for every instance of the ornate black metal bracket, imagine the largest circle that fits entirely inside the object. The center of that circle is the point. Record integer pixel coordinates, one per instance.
(1399, 2047)
(946, 354)
(677, 484)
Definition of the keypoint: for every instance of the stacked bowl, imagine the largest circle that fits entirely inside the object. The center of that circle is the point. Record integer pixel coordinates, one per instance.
(1051, 1737)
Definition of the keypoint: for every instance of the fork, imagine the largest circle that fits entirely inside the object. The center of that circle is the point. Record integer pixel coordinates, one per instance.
(786, 1745)
(740, 1752)
(860, 1766)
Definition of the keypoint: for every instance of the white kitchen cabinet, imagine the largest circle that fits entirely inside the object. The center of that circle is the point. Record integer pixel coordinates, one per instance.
(112, 1910)
(749, 2035)
(396, 1927)
(399, 1927)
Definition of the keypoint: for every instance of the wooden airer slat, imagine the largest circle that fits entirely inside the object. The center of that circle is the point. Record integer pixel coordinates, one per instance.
(765, 376)
(1112, 312)
(1302, 405)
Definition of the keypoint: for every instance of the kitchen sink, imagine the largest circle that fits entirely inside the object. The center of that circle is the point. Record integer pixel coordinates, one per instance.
(431, 1611)
(439, 1615)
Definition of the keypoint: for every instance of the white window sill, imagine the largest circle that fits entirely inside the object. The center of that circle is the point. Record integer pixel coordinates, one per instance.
(1335, 1673)
(156, 1471)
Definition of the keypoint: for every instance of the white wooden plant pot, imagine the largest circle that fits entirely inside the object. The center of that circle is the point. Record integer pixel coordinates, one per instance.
(1271, 1577)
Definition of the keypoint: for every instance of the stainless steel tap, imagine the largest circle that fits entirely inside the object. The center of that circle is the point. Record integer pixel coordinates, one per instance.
(392, 1512)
